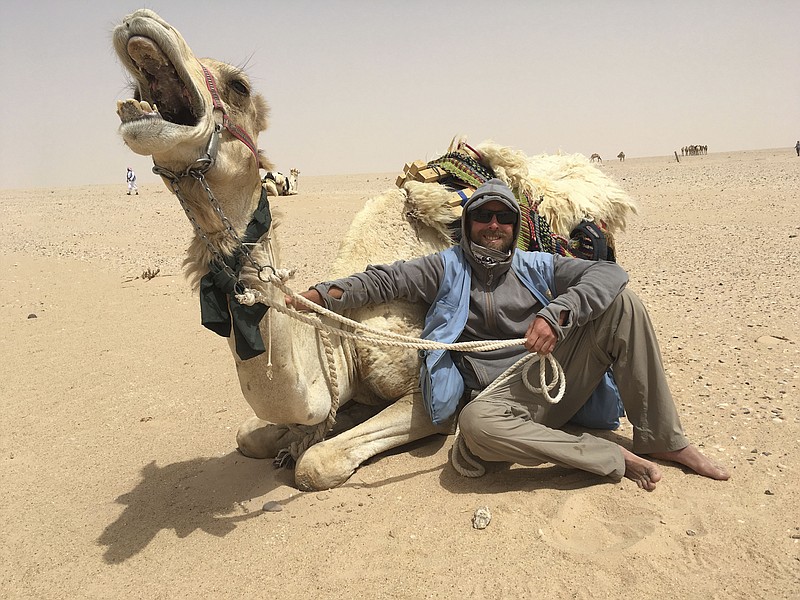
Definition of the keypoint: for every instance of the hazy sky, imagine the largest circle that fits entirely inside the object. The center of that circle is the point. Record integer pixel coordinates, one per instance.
(365, 86)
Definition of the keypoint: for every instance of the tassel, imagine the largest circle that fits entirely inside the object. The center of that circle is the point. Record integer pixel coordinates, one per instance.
(269, 345)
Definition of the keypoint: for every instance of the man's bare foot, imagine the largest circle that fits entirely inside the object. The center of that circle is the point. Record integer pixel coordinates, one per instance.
(699, 463)
(640, 470)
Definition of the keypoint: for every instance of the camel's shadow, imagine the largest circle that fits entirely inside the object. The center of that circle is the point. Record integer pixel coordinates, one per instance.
(202, 493)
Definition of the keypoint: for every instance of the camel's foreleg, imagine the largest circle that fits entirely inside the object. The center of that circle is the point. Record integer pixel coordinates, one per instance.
(331, 462)
(261, 439)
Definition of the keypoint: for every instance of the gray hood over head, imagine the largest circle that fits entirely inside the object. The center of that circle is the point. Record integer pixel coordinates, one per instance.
(494, 189)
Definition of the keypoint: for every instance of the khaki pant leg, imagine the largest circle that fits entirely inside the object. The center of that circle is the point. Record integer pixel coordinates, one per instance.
(624, 334)
(513, 424)
(623, 338)
(499, 426)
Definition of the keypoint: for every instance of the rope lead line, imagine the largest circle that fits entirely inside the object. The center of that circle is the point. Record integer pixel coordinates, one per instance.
(387, 338)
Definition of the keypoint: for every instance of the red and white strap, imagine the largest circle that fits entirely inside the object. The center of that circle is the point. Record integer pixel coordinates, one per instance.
(234, 129)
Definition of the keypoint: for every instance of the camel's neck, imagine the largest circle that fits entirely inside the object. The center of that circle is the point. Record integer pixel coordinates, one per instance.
(220, 214)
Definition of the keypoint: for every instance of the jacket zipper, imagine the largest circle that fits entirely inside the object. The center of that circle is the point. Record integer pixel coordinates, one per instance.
(491, 318)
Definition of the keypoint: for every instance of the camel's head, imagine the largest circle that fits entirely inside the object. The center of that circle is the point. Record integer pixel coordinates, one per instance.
(172, 115)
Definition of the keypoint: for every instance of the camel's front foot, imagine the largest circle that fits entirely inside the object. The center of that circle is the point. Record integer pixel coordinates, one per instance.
(332, 462)
(322, 467)
(261, 439)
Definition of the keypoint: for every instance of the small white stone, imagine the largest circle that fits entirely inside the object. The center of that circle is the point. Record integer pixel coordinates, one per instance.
(481, 518)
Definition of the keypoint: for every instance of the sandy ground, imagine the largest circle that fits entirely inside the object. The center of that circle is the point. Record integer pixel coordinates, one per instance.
(120, 477)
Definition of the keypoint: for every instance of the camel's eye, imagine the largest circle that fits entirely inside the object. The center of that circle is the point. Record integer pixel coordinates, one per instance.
(240, 87)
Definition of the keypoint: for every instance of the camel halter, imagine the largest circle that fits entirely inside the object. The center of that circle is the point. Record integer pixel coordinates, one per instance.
(200, 166)
(236, 131)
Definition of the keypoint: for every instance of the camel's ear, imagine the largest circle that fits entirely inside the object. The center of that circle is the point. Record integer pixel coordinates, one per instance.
(264, 163)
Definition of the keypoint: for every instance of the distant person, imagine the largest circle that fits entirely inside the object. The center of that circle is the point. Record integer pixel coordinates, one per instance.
(797, 147)
(131, 178)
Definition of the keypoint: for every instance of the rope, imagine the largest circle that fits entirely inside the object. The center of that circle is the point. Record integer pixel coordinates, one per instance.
(377, 336)
(459, 453)
(310, 435)
(388, 338)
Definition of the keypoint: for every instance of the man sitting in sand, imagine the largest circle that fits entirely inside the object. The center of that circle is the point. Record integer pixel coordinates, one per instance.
(578, 310)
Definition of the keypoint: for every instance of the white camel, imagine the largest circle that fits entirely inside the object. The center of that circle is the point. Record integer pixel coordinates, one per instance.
(294, 176)
(199, 120)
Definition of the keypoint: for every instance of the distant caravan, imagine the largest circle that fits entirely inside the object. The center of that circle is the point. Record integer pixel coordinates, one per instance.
(694, 150)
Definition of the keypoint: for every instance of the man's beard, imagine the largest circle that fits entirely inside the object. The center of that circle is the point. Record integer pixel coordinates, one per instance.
(489, 257)
(497, 242)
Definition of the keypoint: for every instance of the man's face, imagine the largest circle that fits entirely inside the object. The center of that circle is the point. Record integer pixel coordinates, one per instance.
(494, 235)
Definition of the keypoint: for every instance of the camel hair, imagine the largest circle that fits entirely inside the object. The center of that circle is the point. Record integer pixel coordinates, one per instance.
(203, 144)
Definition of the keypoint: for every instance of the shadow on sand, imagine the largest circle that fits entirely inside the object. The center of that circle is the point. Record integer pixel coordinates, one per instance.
(203, 493)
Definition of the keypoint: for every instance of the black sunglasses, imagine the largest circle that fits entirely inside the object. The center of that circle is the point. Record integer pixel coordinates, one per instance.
(504, 217)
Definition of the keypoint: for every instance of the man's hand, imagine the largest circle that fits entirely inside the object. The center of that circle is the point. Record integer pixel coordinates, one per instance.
(311, 294)
(540, 337)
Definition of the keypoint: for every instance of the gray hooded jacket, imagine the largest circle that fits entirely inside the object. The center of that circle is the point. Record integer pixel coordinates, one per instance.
(501, 307)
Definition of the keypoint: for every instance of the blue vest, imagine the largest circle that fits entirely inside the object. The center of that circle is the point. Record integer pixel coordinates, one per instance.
(440, 380)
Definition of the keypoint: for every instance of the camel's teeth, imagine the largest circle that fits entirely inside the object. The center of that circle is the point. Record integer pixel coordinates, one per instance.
(145, 106)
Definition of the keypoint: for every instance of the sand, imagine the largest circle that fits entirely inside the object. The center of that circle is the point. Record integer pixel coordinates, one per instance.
(120, 477)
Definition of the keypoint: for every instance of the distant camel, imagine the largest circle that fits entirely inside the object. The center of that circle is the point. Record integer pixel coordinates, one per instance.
(621, 157)
(595, 158)
(279, 184)
(293, 175)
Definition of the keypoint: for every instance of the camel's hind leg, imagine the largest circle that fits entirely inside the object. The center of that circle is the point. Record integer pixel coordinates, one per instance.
(331, 462)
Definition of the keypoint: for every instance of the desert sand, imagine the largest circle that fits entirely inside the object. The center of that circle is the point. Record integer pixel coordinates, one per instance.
(120, 476)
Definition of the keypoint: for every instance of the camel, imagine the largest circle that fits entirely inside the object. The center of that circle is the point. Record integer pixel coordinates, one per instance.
(278, 184)
(199, 120)
(595, 158)
(621, 157)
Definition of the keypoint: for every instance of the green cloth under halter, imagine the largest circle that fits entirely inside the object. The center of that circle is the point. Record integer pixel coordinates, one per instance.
(220, 311)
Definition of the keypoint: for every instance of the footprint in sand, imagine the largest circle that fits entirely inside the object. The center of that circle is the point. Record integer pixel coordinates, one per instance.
(586, 525)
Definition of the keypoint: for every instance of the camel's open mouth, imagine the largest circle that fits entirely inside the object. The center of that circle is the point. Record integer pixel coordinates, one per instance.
(160, 85)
